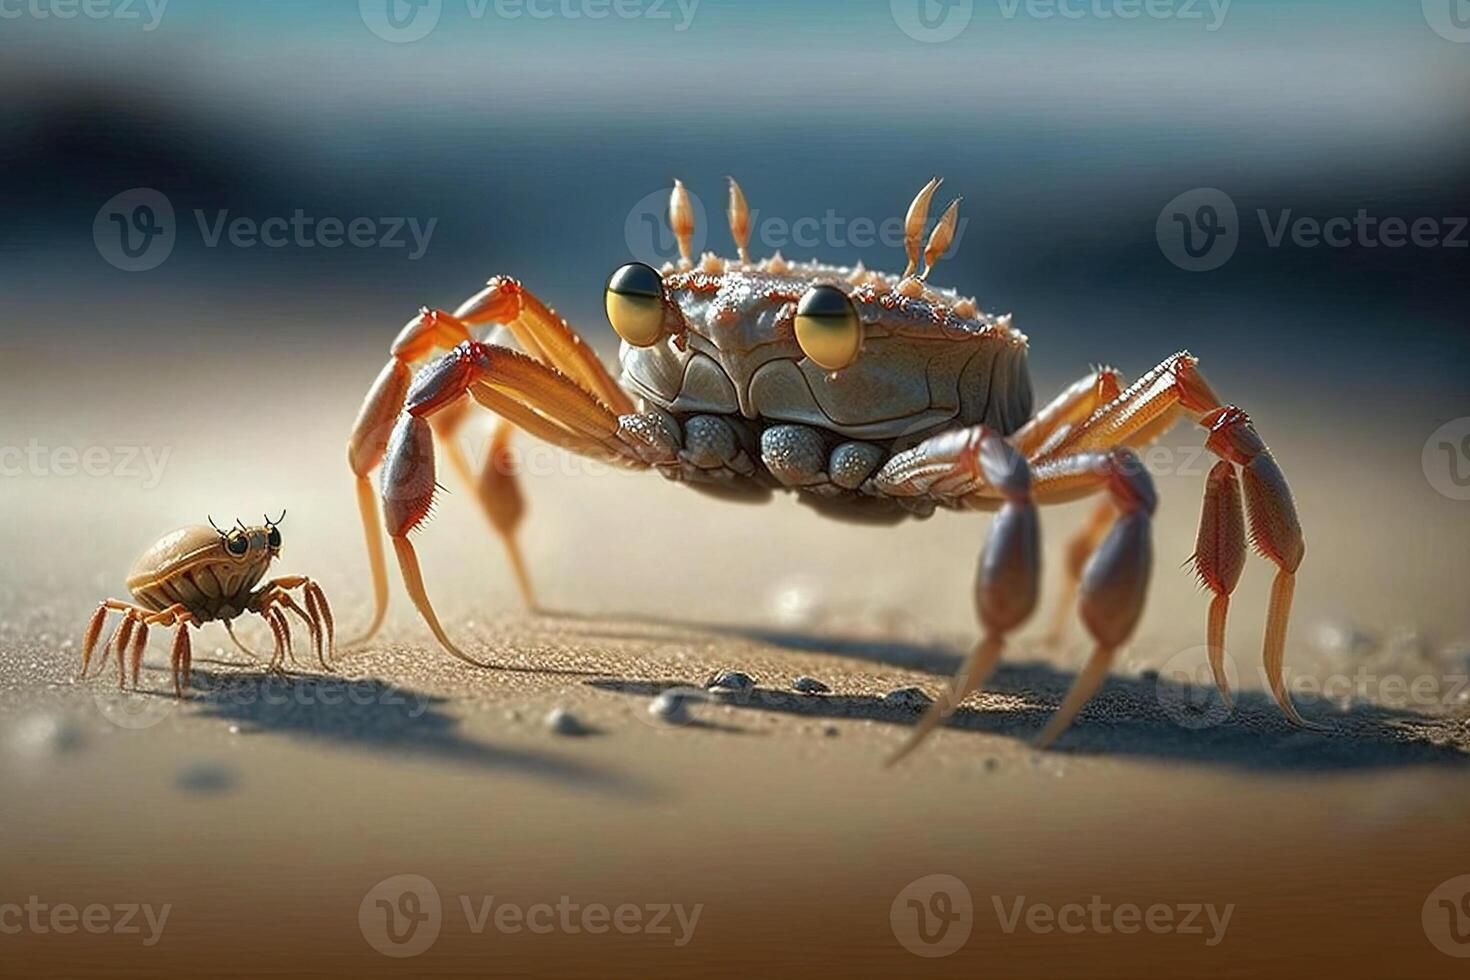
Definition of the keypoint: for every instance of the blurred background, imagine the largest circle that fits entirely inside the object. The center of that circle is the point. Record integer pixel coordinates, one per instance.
(530, 131)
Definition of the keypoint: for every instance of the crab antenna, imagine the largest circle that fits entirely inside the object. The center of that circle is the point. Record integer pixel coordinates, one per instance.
(278, 520)
(212, 524)
(943, 234)
(739, 221)
(913, 223)
(241, 525)
(681, 218)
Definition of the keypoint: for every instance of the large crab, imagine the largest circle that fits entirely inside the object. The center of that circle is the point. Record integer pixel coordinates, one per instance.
(872, 396)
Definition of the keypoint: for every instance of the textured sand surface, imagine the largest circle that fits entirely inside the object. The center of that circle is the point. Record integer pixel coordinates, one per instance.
(263, 811)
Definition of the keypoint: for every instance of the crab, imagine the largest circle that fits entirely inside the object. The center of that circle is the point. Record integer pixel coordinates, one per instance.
(873, 397)
(198, 574)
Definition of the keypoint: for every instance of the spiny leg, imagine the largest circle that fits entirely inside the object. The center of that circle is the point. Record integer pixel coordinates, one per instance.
(1144, 412)
(1219, 558)
(524, 391)
(1115, 579)
(1007, 581)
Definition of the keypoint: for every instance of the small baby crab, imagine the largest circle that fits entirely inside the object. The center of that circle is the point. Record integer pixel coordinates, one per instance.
(197, 574)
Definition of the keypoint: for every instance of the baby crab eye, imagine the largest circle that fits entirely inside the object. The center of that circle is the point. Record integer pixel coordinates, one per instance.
(237, 544)
(828, 328)
(635, 304)
(274, 539)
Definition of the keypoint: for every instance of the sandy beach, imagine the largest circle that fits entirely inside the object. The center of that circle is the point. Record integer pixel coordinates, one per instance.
(264, 812)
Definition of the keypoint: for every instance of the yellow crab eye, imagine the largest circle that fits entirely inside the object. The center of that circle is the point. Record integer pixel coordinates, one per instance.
(635, 304)
(828, 328)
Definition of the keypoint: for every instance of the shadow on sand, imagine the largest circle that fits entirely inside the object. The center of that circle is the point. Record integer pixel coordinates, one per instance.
(1146, 716)
(373, 715)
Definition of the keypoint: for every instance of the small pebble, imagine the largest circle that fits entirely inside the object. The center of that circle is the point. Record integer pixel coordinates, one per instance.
(992, 764)
(729, 680)
(910, 698)
(810, 685)
(560, 721)
(830, 731)
(1149, 674)
(672, 707)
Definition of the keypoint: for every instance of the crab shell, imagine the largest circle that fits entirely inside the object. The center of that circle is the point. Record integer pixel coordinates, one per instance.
(929, 361)
(192, 566)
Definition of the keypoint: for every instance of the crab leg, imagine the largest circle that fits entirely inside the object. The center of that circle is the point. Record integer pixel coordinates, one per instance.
(545, 337)
(1115, 577)
(1051, 423)
(1140, 415)
(525, 391)
(1007, 581)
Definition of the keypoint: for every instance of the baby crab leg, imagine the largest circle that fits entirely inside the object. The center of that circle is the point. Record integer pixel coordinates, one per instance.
(317, 615)
(537, 398)
(1007, 581)
(1147, 409)
(131, 637)
(1115, 577)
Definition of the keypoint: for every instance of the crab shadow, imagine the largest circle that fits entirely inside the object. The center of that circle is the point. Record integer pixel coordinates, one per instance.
(1146, 716)
(376, 716)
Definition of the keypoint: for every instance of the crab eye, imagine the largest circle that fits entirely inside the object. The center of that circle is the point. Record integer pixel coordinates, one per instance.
(274, 539)
(635, 304)
(828, 328)
(237, 543)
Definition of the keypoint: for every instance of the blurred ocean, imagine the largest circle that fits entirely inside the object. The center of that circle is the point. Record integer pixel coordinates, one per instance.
(527, 136)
